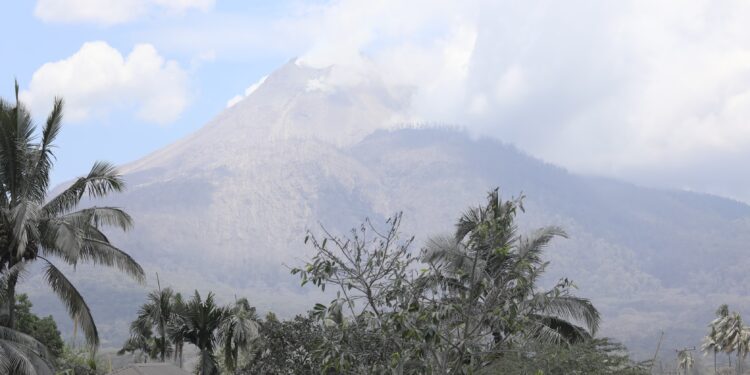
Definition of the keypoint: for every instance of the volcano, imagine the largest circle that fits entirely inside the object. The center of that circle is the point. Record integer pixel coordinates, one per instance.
(226, 209)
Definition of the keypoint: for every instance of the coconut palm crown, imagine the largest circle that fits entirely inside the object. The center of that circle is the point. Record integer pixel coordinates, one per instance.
(35, 227)
(497, 269)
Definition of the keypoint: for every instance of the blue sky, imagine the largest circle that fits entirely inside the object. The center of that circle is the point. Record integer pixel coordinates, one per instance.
(656, 93)
(120, 136)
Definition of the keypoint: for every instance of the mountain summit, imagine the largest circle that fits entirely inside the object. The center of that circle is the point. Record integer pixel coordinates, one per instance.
(334, 105)
(227, 207)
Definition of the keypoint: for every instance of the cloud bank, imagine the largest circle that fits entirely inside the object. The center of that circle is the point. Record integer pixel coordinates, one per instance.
(657, 93)
(98, 79)
(111, 12)
(653, 92)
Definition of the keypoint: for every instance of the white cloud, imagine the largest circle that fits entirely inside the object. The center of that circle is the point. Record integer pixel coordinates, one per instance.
(248, 91)
(98, 79)
(630, 89)
(110, 12)
(626, 89)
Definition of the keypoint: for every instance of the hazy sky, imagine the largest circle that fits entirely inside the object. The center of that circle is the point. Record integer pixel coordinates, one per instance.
(653, 92)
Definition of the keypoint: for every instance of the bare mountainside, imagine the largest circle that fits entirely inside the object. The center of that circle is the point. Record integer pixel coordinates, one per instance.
(227, 207)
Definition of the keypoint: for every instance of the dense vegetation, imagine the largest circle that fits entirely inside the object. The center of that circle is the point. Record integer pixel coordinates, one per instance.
(470, 303)
(43, 329)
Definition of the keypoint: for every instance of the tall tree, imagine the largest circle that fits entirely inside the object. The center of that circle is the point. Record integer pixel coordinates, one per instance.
(286, 347)
(720, 326)
(141, 342)
(239, 329)
(200, 324)
(175, 334)
(685, 360)
(476, 294)
(371, 325)
(157, 314)
(711, 344)
(488, 274)
(37, 228)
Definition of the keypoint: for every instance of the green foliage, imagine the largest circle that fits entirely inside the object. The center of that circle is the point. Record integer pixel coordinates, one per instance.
(481, 285)
(166, 322)
(141, 343)
(286, 348)
(199, 324)
(154, 315)
(370, 326)
(596, 356)
(42, 329)
(79, 361)
(237, 332)
(475, 297)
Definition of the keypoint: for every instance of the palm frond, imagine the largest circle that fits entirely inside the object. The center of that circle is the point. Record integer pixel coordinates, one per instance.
(99, 217)
(576, 308)
(14, 361)
(23, 353)
(570, 333)
(103, 253)
(540, 332)
(101, 180)
(14, 273)
(61, 239)
(37, 177)
(12, 336)
(24, 215)
(468, 222)
(75, 304)
(533, 245)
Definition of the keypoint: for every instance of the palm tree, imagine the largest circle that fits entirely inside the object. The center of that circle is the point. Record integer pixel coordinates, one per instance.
(240, 328)
(743, 346)
(715, 340)
(37, 228)
(685, 360)
(488, 274)
(157, 312)
(489, 262)
(174, 332)
(141, 342)
(732, 335)
(711, 344)
(200, 324)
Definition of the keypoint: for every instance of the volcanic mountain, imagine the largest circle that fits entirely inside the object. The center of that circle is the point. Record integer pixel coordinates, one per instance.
(226, 209)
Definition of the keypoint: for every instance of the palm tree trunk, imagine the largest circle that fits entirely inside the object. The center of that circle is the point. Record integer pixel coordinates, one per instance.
(739, 362)
(12, 280)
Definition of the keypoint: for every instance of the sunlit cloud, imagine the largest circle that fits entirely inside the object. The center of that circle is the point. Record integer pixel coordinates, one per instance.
(98, 79)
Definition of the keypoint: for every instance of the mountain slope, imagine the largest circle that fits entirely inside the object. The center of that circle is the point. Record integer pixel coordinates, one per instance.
(227, 207)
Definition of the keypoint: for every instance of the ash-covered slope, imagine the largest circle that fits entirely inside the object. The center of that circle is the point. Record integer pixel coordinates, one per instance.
(227, 207)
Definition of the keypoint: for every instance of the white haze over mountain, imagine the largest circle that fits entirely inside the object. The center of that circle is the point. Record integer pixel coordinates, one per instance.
(656, 93)
(226, 209)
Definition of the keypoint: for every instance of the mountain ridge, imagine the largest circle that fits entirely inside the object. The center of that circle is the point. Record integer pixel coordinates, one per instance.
(226, 207)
